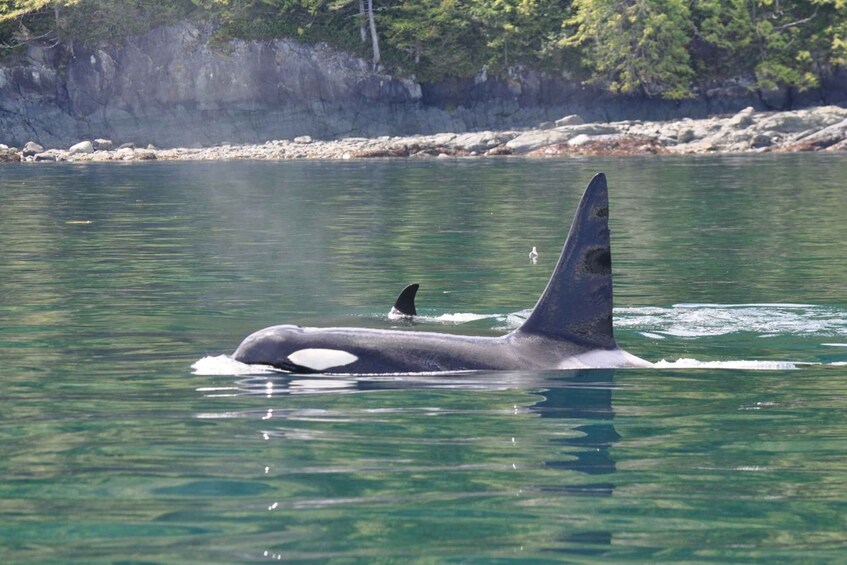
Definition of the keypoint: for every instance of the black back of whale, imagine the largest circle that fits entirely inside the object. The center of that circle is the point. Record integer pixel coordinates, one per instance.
(572, 317)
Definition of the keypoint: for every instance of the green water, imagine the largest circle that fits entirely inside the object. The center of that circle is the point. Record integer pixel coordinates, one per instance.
(115, 280)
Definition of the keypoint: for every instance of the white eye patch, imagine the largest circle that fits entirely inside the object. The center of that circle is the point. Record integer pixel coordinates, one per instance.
(321, 359)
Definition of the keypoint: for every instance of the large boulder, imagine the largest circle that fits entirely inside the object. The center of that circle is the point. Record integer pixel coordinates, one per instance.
(742, 119)
(532, 140)
(802, 120)
(481, 141)
(31, 148)
(827, 136)
(571, 120)
(81, 148)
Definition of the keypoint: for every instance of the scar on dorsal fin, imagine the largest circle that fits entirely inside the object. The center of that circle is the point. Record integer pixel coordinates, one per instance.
(576, 306)
(405, 303)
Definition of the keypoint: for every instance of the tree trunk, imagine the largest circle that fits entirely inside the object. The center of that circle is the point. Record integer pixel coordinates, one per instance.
(363, 33)
(374, 38)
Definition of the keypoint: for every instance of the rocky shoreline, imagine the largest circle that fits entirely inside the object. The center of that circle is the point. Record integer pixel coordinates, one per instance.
(748, 131)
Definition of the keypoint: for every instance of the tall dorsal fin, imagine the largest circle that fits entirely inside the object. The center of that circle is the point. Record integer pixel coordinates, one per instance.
(405, 303)
(577, 303)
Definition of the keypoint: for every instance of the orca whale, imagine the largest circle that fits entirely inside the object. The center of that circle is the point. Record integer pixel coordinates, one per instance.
(404, 306)
(569, 328)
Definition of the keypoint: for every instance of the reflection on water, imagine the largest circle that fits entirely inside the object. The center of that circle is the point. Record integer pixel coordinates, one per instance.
(576, 440)
(586, 396)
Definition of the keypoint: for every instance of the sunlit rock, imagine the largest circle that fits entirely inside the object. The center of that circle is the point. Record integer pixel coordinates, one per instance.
(125, 154)
(580, 139)
(571, 120)
(31, 148)
(81, 147)
(9, 155)
(532, 140)
(45, 156)
(145, 155)
(742, 119)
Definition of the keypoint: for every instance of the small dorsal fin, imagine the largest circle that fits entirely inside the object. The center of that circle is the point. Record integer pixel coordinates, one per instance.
(405, 303)
(577, 303)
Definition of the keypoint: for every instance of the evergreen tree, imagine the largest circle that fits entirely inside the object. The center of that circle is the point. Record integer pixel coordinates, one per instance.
(22, 21)
(779, 42)
(635, 45)
(516, 31)
(433, 39)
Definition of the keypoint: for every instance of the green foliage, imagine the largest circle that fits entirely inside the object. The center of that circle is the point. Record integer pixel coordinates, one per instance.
(31, 20)
(110, 20)
(84, 21)
(433, 39)
(635, 46)
(788, 43)
(660, 48)
(515, 31)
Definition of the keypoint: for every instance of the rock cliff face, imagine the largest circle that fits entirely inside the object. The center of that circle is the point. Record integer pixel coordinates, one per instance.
(175, 87)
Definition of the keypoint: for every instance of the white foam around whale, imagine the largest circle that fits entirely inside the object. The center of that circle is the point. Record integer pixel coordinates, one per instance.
(226, 365)
(685, 363)
(223, 365)
(459, 317)
(709, 320)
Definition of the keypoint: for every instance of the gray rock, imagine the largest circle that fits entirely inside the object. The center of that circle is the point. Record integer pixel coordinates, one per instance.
(479, 142)
(127, 146)
(145, 155)
(742, 119)
(785, 123)
(571, 120)
(532, 140)
(761, 140)
(546, 125)
(81, 147)
(103, 144)
(442, 138)
(8, 155)
(31, 148)
(46, 156)
(588, 129)
(124, 154)
(840, 146)
(580, 139)
(303, 139)
(802, 120)
(827, 136)
(686, 136)
(474, 141)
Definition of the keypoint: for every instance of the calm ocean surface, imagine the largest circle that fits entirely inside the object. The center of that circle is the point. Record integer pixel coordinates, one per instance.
(127, 436)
